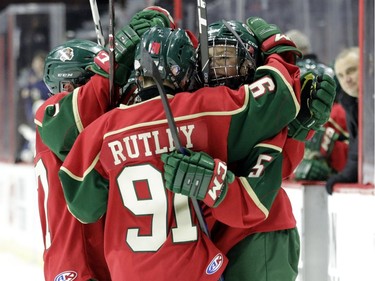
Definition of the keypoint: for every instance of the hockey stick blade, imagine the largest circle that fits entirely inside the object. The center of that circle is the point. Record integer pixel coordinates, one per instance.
(150, 70)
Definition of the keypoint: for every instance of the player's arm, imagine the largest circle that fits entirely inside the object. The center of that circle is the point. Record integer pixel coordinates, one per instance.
(237, 201)
(82, 177)
(272, 103)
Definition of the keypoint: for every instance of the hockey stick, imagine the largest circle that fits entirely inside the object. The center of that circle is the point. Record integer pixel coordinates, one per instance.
(111, 45)
(97, 22)
(203, 39)
(150, 70)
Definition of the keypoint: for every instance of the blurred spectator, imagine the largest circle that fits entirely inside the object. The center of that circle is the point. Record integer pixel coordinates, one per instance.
(309, 61)
(347, 70)
(33, 91)
(326, 153)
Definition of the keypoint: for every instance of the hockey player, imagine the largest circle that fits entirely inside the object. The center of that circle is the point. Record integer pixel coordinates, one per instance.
(248, 258)
(122, 149)
(74, 250)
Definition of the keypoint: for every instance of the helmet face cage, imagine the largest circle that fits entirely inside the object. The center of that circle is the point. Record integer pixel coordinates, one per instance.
(66, 64)
(172, 52)
(231, 63)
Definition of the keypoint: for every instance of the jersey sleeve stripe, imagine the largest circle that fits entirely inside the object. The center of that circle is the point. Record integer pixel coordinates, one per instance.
(254, 197)
(77, 118)
(271, 146)
(86, 172)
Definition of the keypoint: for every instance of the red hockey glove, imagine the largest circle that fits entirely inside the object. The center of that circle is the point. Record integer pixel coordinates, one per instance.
(101, 67)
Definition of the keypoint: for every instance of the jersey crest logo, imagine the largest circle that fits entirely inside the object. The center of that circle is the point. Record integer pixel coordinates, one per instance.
(66, 276)
(66, 54)
(215, 264)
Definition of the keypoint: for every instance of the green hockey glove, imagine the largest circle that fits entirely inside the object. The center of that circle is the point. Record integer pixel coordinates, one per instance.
(313, 169)
(271, 38)
(129, 36)
(197, 175)
(317, 96)
(323, 141)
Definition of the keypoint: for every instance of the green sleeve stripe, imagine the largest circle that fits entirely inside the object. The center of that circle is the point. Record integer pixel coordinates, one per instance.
(296, 103)
(274, 147)
(78, 178)
(254, 197)
(77, 118)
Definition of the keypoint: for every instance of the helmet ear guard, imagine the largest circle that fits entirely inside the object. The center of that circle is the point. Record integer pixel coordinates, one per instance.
(67, 63)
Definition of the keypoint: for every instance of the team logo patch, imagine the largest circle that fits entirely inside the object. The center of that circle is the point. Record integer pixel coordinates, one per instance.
(175, 69)
(66, 276)
(66, 54)
(215, 264)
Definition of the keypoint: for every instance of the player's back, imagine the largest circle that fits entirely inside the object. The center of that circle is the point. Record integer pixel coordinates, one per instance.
(152, 233)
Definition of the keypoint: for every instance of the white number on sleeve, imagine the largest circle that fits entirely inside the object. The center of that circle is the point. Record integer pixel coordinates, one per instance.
(258, 168)
(259, 87)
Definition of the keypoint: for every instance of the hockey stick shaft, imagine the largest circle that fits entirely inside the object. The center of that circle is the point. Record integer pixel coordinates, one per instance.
(150, 70)
(227, 25)
(203, 39)
(97, 22)
(111, 45)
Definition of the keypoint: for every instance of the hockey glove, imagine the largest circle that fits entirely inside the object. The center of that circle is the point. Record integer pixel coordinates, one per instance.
(126, 41)
(197, 175)
(313, 169)
(129, 36)
(323, 141)
(101, 67)
(317, 96)
(271, 39)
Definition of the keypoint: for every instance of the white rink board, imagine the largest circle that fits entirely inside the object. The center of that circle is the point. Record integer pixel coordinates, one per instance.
(351, 232)
(352, 220)
(21, 242)
(351, 227)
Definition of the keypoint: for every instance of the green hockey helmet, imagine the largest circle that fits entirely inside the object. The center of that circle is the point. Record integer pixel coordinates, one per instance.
(232, 62)
(67, 64)
(173, 53)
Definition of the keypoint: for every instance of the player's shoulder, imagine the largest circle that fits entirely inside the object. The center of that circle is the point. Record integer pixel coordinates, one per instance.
(52, 101)
(219, 98)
